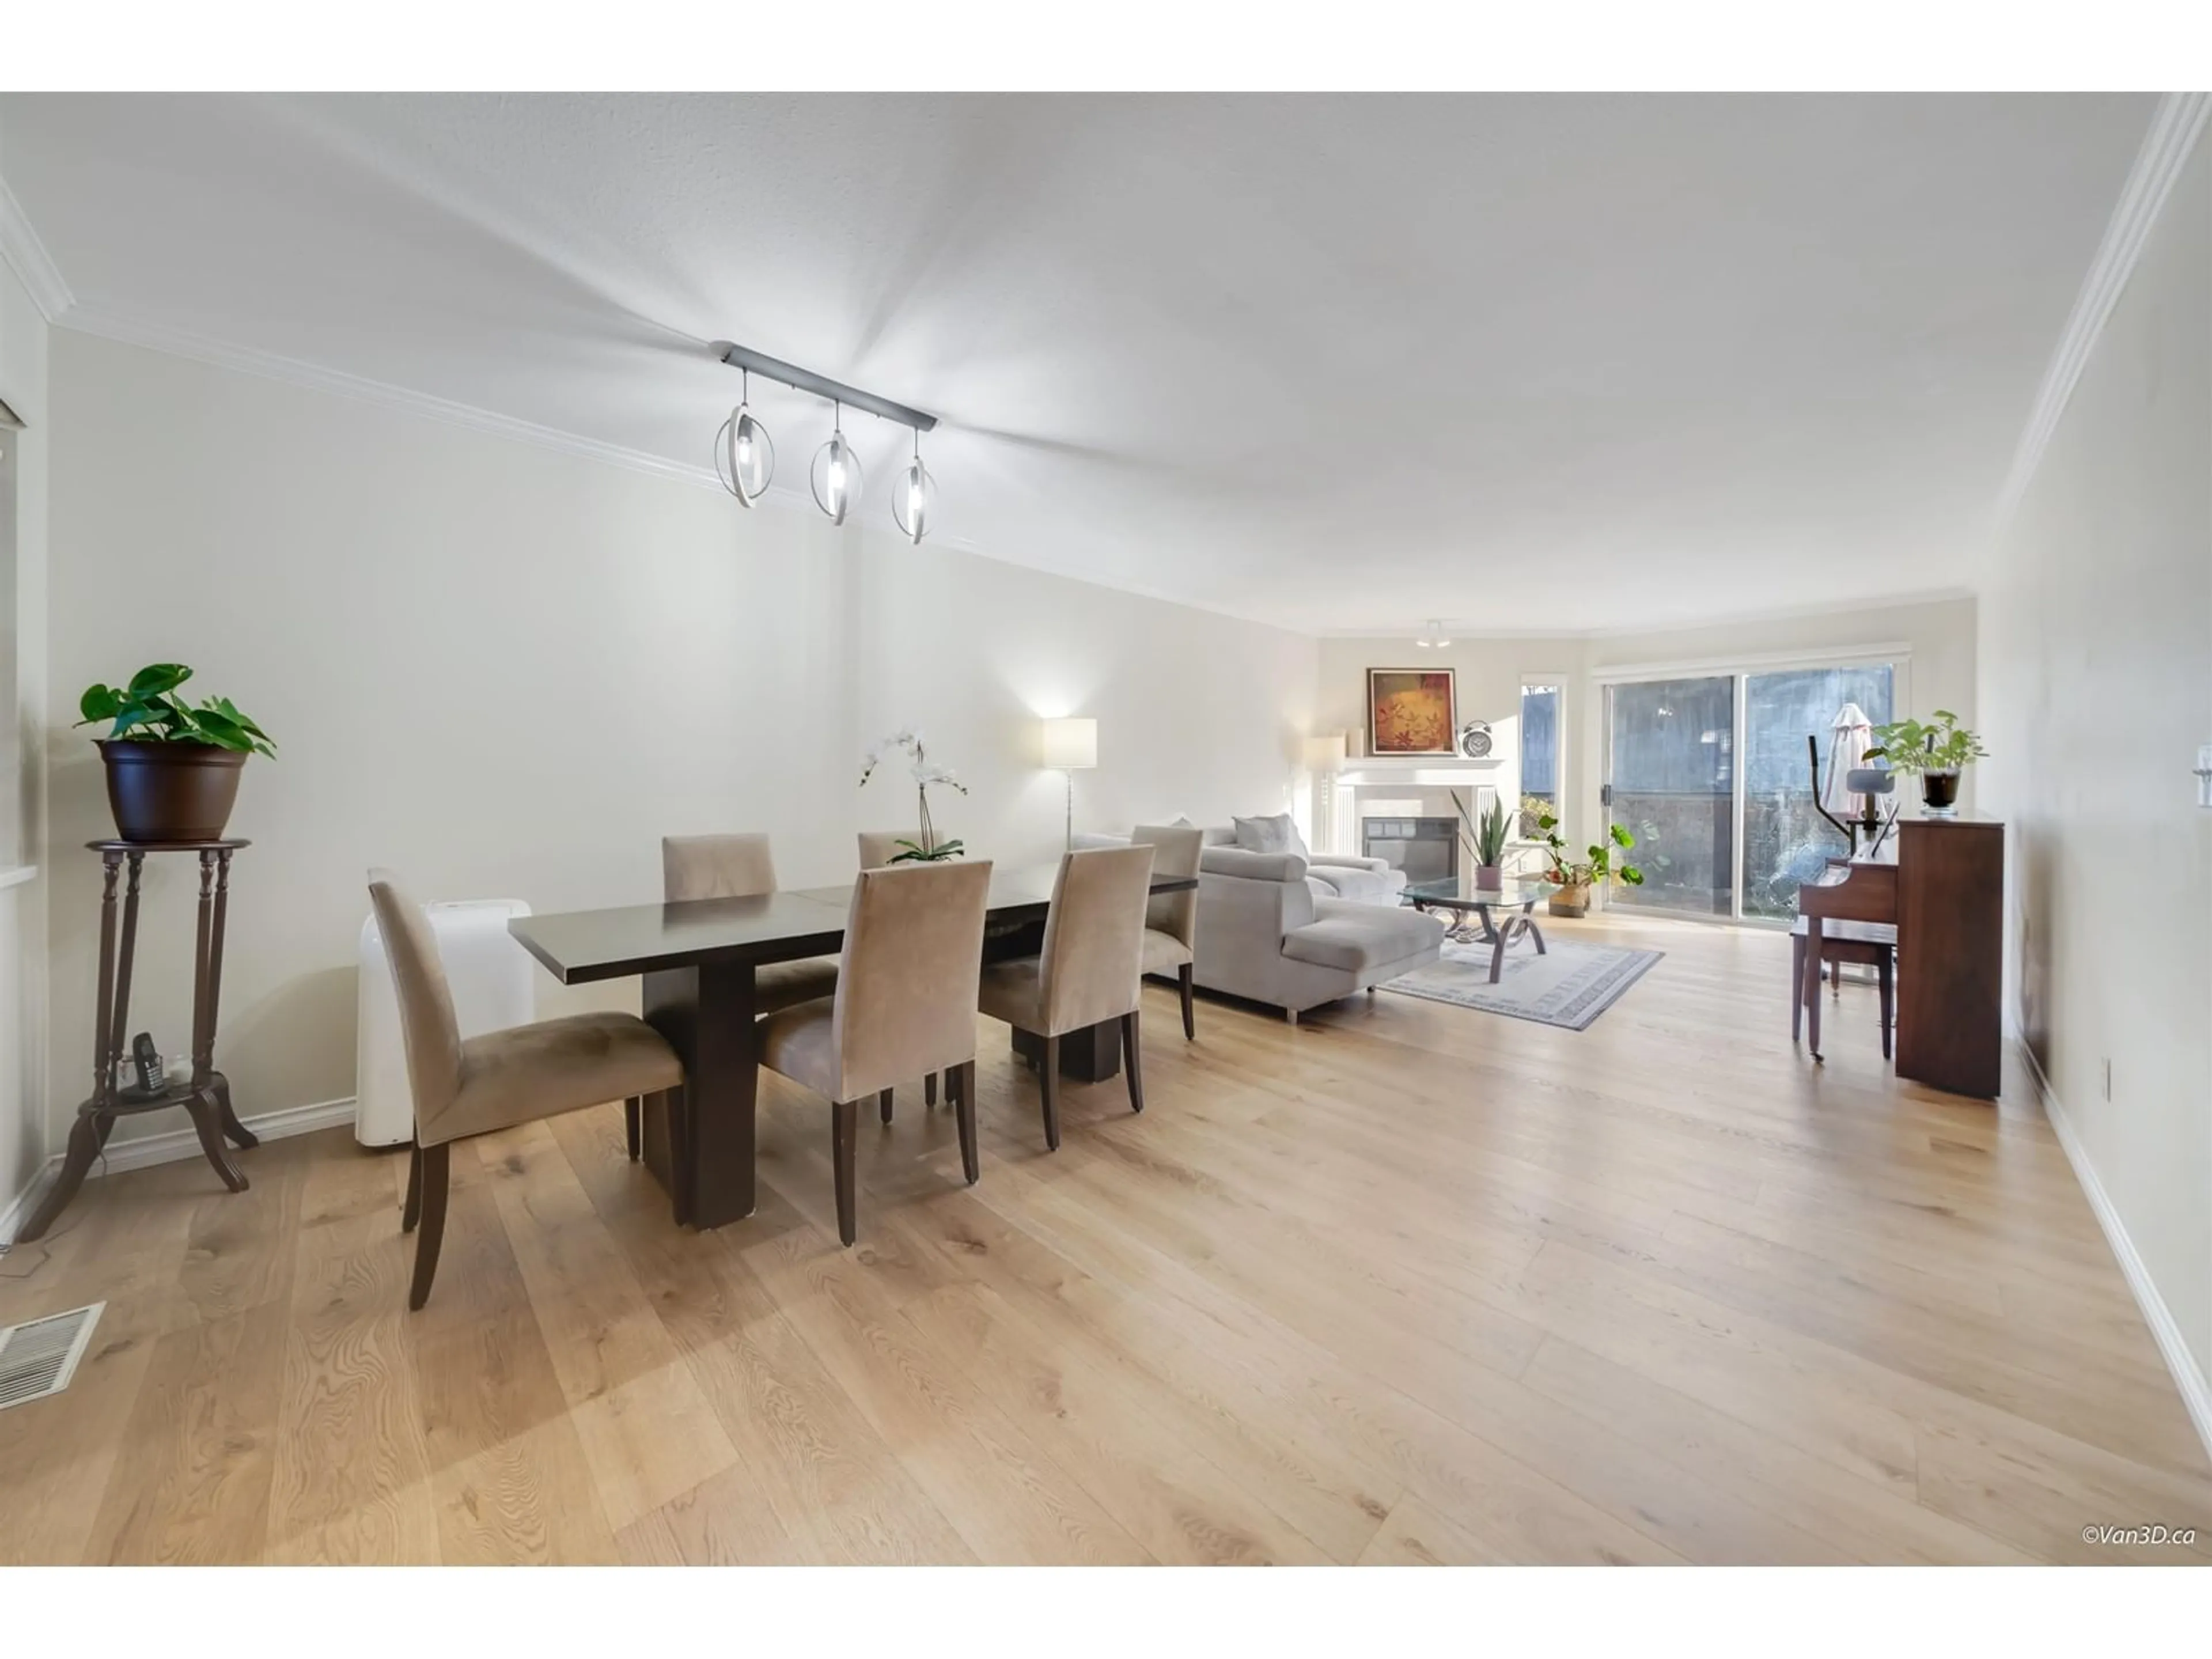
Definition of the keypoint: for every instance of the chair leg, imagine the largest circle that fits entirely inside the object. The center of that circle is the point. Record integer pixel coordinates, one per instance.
(844, 1130)
(883, 1110)
(1048, 1087)
(634, 1126)
(960, 1084)
(1129, 1059)
(437, 1166)
(1796, 986)
(412, 1210)
(929, 1090)
(1189, 1012)
(1886, 971)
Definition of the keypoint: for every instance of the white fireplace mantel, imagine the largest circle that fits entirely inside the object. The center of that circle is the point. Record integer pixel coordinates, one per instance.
(1341, 788)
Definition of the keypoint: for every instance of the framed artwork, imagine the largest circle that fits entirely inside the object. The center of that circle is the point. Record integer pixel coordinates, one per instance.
(1412, 711)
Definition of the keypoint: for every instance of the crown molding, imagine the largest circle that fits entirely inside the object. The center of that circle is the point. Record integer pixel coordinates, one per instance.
(274, 366)
(2174, 128)
(26, 256)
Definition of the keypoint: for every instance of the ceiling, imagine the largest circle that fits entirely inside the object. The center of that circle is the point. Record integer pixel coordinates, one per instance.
(1519, 362)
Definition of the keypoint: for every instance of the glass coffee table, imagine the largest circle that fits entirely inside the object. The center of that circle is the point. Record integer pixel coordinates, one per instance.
(1503, 914)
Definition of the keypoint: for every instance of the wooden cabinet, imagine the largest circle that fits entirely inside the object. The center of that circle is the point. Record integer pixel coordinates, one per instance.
(1950, 954)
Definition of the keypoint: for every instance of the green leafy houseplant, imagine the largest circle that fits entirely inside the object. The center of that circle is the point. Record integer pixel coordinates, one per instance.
(173, 766)
(149, 710)
(1577, 876)
(1942, 745)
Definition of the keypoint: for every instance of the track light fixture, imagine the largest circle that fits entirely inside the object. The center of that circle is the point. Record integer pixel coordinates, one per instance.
(912, 496)
(1433, 638)
(745, 460)
(744, 457)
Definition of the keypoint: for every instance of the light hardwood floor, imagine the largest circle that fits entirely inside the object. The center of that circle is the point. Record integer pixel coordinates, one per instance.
(1405, 1284)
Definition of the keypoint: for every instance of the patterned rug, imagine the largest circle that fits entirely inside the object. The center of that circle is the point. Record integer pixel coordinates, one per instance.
(1570, 987)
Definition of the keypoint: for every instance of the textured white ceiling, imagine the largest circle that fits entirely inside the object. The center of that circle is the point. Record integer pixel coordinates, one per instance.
(1339, 362)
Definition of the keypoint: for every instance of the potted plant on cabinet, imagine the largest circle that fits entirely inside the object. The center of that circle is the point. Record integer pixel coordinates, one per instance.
(1938, 752)
(173, 768)
(925, 772)
(1579, 879)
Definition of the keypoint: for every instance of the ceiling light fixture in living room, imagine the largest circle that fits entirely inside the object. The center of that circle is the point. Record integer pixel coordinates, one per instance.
(1433, 638)
(835, 477)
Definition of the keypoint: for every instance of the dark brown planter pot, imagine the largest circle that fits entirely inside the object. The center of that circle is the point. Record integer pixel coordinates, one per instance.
(1939, 792)
(171, 791)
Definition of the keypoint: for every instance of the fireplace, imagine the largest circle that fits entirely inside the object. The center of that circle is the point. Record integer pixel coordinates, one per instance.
(1426, 849)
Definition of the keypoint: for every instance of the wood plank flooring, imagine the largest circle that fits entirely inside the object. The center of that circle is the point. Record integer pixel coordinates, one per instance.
(1407, 1283)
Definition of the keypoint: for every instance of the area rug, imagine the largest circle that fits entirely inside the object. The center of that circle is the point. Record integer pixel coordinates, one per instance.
(1569, 988)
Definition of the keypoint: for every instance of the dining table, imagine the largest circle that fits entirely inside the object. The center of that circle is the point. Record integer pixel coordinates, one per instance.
(698, 959)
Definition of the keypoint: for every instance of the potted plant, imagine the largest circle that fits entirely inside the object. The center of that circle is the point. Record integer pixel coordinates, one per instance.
(925, 772)
(1579, 878)
(1938, 752)
(1489, 847)
(173, 768)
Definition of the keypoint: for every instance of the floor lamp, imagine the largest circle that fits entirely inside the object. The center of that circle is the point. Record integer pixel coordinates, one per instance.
(1071, 746)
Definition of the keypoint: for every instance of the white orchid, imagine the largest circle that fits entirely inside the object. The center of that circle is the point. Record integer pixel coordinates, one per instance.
(907, 741)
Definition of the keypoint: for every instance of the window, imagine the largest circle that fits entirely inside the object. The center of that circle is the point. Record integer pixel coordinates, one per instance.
(1540, 757)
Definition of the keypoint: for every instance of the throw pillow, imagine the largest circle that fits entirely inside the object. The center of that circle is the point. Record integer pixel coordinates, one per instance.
(1273, 835)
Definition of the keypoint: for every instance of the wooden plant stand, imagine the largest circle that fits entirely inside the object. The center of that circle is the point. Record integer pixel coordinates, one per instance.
(206, 1094)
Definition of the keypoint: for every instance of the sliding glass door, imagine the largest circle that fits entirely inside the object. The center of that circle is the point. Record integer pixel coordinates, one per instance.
(1670, 750)
(1714, 837)
(1786, 841)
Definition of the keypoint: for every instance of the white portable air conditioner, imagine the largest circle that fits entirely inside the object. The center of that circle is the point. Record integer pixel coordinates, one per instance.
(493, 985)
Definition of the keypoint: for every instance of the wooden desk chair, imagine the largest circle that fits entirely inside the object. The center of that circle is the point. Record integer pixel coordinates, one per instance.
(1871, 944)
(1090, 969)
(467, 1086)
(905, 1005)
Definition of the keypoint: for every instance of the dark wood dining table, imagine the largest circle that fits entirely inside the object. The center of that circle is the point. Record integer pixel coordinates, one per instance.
(697, 960)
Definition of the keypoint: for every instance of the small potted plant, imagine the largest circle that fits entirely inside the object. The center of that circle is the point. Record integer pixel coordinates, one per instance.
(173, 767)
(1938, 752)
(1579, 879)
(925, 772)
(1490, 848)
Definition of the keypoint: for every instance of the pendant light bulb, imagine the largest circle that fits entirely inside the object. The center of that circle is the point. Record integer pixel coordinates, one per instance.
(837, 473)
(1433, 638)
(914, 498)
(744, 457)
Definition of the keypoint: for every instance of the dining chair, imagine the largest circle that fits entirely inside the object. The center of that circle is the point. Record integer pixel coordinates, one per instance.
(879, 846)
(877, 849)
(905, 1004)
(1089, 969)
(732, 866)
(465, 1086)
(1171, 919)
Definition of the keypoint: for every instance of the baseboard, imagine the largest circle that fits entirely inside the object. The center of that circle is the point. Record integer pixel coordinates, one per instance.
(2195, 1395)
(173, 1145)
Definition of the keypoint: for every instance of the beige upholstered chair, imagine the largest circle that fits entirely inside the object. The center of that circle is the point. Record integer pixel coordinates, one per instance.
(467, 1086)
(905, 1005)
(1171, 919)
(879, 846)
(877, 849)
(734, 866)
(1089, 969)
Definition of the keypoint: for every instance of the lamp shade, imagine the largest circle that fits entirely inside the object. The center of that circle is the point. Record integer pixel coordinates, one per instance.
(1324, 751)
(1071, 745)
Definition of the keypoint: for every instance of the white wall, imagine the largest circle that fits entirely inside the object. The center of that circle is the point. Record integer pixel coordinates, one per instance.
(23, 346)
(2096, 662)
(501, 670)
(1939, 637)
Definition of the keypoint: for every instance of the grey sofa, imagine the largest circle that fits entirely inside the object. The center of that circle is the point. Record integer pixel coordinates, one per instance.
(1264, 934)
(1334, 875)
